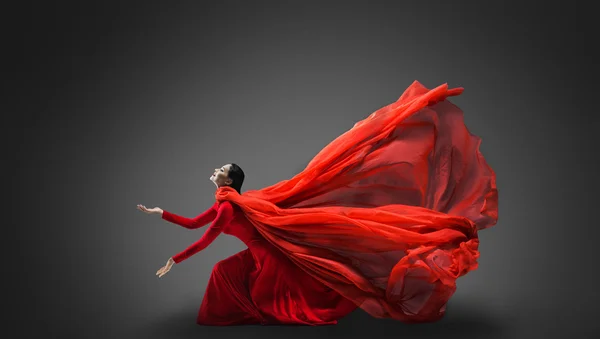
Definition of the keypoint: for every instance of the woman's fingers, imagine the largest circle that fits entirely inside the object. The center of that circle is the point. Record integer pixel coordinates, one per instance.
(143, 208)
(163, 270)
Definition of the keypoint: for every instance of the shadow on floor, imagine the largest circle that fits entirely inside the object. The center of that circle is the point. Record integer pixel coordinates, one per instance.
(461, 321)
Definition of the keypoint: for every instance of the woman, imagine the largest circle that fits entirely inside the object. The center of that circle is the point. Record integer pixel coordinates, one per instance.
(384, 218)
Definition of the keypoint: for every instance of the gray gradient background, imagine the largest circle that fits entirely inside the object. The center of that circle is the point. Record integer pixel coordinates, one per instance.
(119, 105)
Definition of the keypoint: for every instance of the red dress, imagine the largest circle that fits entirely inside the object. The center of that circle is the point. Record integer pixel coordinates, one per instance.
(258, 285)
(386, 217)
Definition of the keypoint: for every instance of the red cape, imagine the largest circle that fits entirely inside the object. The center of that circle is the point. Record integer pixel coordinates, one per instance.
(387, 214)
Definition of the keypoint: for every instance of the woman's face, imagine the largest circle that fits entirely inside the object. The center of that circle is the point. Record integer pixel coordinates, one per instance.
(221, 176)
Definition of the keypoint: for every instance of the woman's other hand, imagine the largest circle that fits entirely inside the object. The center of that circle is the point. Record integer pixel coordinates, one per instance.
(155, 210)
(163, 270)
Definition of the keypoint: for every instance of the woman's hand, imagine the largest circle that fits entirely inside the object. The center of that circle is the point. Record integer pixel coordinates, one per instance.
(163, 270)
(155, 210)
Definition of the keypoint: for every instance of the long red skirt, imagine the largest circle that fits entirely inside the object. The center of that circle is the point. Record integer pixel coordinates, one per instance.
(268, 289)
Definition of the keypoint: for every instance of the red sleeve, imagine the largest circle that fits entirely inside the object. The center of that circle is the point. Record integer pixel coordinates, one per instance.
(224, 216)
(197, 222)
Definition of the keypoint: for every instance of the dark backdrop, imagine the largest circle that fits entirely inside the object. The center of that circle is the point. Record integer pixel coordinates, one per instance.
(116, 105)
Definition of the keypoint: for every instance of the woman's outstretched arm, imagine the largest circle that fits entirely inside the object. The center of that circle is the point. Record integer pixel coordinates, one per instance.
(224, 216)
(192, 223)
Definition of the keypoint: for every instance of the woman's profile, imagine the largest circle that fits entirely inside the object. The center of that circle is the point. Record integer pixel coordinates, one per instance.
(384, 218)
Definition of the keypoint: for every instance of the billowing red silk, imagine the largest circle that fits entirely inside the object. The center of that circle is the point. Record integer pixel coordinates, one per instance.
(387, 214)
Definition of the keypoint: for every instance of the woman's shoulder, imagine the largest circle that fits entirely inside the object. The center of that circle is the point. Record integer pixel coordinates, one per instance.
(225, 204)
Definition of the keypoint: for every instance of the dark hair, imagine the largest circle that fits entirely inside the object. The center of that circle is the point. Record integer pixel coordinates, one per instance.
(237, 176)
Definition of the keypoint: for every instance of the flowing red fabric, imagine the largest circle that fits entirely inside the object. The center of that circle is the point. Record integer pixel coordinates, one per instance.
(387, 214)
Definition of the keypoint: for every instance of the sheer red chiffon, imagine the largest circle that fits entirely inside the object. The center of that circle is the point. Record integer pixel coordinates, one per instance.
(387, 214)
